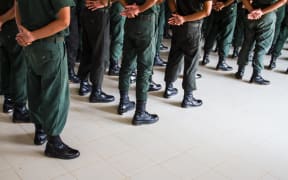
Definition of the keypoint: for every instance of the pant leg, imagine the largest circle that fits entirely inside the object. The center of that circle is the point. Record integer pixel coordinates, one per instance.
(96, 42)
(86, 50)
(72, 41)
(191, 50)
(100, 43)
(227, 22)
(283, 35)
(117, 32)
(263, 37)
(5, 74)
(239, 28)
(1, 57)
(48, 91)
(280, 14)
(211, 31)
(175, 56)
(160, 26)
(144, 36)
(16, 71)
(128, 63)
(249, 39)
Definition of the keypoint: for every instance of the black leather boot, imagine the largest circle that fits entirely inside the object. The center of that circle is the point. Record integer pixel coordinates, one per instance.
(8, 105)
(206, 59)
(40, 136)
(190, 101)
(143, 117)
(85, 88)
(154, 86)
(258, 79)
(240, 73)
(114, 68)
(98, 96)
(20, 114)
(272, 64)
(125, 104)
(72, 76)
(170, 91)
(235, 52)
(158, 61)
(57, 149)
(222, 65)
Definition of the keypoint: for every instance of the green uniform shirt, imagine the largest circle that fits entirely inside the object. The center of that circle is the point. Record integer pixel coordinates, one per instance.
(153, 9)
(262, 3)
(39, 13)
(5, 5)
(185, 7)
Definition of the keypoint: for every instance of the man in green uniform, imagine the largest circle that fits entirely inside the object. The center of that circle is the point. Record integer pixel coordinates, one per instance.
(42, 27)
(13, 66)
(260, 24)
(221, 24)
(278, 46)
(187, 21)
(139, 46)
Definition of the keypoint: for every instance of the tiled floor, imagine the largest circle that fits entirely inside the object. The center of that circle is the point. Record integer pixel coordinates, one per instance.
(240, 133)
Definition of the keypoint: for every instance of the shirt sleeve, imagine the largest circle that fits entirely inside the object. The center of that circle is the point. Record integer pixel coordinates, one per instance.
(59, 4)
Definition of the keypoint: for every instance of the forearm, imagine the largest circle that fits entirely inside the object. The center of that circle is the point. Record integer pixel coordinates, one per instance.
(17, 14)
(10, 14)
(148, 4)
(274, 6)
(172, 6)
(229, 2)
(123, 3)
(55, 26)
(105, 2)
(248, 5)
(201, 14)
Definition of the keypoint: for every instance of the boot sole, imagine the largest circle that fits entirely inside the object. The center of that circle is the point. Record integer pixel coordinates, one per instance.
(137, 123)
(60, 157)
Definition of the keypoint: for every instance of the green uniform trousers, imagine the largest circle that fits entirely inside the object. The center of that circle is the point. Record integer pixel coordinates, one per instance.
(280, 14)
(1, 57)
(283, 35)
(239, 28)
(139, 46)
(116, 31)
(160, 23)
(261, 33)
(221, 26)
(13, 65)
(48, 91)
(185, 42)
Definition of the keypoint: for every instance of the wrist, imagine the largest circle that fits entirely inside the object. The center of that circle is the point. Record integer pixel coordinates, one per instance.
(33, 37)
